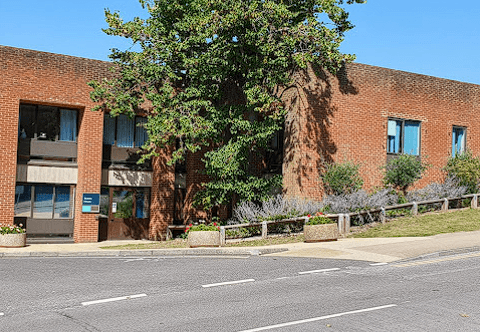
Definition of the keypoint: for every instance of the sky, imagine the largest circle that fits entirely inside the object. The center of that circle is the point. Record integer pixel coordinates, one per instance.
(431, 37)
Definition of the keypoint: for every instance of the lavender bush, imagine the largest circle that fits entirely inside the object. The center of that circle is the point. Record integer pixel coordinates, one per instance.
(278, 207)
(449, 189)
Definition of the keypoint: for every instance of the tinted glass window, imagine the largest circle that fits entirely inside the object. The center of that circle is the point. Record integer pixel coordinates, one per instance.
(23, 200)
(48, 123)
(43, 202)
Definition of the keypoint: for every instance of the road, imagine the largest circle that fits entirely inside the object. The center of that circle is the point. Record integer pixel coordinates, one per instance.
(238, 294)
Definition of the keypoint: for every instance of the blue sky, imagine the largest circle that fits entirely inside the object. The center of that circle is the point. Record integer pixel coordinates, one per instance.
(431, 37)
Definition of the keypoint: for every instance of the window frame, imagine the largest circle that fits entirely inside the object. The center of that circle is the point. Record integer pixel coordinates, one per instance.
(464, 147)
(402, 136)
(54, 197)
(115, 134)
(58, 110)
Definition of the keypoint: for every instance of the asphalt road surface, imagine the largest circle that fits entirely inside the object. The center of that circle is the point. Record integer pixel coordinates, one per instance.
(238, 294)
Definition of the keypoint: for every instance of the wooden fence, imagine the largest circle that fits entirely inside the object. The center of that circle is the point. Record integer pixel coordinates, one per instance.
(344, 219)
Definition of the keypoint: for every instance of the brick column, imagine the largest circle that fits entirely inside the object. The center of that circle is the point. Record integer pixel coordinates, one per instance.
(163, 184)
(9, 108)
(89, 155)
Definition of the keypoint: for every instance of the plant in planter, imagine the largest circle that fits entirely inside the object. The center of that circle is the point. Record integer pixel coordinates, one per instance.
(320, 228)
(12, 236)
(203, 235)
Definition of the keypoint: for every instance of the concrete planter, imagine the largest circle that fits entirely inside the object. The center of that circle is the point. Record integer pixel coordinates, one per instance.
(320, 233)
(204, 239)
(13, 240)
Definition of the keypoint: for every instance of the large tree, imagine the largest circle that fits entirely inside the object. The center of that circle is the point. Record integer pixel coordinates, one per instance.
(212, 72)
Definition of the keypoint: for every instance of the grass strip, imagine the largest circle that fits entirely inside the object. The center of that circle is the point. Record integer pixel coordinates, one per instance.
(425, 225)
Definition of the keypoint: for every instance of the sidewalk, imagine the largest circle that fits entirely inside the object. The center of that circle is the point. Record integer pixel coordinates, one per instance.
(381, 250)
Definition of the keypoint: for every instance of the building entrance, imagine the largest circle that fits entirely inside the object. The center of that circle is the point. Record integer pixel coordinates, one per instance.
(124, 213)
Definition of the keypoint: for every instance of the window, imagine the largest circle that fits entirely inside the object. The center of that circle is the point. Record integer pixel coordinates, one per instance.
(403, 137)
(458, 140)
(23, 200)
(124, 132)
(131, 203)
(47, 123)
(43, 201)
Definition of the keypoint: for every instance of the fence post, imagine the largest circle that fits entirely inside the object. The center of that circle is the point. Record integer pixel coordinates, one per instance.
(264, 229)
(383, 215)
(415, 208)
(222, 236)
(445, 204)
(475, 201)
(341, 224)
(347, 223)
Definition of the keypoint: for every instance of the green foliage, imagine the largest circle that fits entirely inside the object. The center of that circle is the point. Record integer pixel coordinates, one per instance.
(342, 178)
(403, 171)
(125, 208)
(202, 228)
(465, 168)
(320, 220)
(211, 73)
(240, 233)
(11, 229)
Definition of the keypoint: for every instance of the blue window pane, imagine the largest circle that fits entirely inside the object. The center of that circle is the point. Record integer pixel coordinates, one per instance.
(411, 143)
(108, 130)
(23, 201)
(125, 130)
(394, 134)
(62, 202)
(458, 140)
(43, 202)
(141, 204)
(140, 132)
(68, 125)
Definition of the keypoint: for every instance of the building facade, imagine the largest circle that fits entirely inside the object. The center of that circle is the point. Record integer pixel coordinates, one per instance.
(69, 171)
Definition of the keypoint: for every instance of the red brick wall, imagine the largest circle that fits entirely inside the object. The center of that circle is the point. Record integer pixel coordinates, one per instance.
(162, 201)
(345, 118)
(51, 79)
(330, 119)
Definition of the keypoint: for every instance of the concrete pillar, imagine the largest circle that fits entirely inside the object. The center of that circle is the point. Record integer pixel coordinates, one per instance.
(264, 229)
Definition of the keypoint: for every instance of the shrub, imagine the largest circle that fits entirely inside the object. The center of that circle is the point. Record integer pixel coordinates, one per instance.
(403, 171)
(320, 219)
(202, 227)
(449, 189)
(342, 178)
(277, 207)
(466, 169)
(360, 201)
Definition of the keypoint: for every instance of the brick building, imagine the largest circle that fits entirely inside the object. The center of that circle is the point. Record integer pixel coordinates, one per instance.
(58, 157)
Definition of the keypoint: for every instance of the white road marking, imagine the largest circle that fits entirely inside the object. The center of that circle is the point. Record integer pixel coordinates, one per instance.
(378, 264)
(283, 278)
(136, 259)
(1, 314)
(303, 321)
(319, 271)
(114, 299)
(228, 283)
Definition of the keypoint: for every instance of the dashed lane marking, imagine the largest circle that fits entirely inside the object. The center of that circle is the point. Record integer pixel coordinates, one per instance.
(228, 283)
(378, 264)
(303, 321)
(432, 261)
(114, 299)
(320, 271)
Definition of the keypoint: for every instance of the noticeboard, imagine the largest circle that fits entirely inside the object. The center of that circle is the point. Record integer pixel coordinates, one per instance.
(90, 203)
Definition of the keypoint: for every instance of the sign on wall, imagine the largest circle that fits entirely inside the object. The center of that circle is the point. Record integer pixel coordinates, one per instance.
(90, 203)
